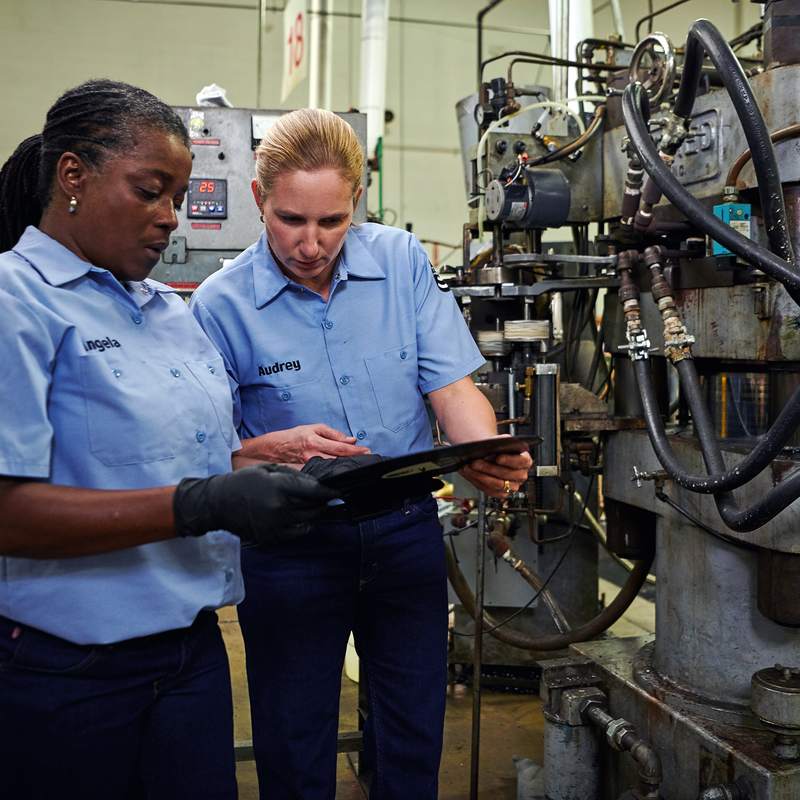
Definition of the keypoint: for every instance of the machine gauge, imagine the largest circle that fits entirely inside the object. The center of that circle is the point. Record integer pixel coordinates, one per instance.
(207, 199)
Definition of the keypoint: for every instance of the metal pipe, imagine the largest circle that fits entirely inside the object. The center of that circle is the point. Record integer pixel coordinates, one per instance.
(481, 14)
(478, 653)
(622, 736)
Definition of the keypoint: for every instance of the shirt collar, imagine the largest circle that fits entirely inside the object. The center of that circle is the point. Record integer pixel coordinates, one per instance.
(59, 265)
(354, 261)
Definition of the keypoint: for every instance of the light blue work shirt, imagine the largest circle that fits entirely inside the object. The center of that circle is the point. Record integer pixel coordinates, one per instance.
(389, 332)
(110, 386)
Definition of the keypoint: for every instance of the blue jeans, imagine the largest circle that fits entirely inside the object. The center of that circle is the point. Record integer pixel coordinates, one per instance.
(149, 718)
(385, 580)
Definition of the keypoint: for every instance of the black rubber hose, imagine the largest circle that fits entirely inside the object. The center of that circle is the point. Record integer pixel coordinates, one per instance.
(703, 38)
(602, 622)
(777, 268)
(761, 512)
(720, 481)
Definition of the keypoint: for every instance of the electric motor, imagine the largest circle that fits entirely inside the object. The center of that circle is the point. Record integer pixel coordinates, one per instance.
(537, 198)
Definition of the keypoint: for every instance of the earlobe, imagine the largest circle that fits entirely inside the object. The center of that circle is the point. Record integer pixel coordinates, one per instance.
(71, 174)
(256, 197)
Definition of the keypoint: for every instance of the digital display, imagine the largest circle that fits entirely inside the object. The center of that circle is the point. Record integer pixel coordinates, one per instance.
(207, 198)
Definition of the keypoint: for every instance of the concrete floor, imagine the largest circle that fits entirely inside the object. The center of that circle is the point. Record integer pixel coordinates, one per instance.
(511, 724)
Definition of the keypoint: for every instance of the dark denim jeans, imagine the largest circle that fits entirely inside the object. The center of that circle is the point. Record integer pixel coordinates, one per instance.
(384, 579)
(144, 719)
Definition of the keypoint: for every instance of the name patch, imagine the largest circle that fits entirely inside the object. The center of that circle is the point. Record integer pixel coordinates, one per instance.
(443, 287)
(279, 366)
(100, 344)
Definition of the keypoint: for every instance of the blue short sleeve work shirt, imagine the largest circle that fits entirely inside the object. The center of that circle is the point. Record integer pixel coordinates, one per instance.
(390, 332)
(110, 387)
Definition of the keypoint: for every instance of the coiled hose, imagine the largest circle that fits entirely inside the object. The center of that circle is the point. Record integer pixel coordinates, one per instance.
(603, 621)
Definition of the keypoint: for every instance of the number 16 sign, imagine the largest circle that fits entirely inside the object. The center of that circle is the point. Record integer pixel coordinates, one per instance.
(295, 63)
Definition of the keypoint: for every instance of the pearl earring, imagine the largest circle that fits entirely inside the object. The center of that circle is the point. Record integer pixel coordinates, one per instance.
(73, 204)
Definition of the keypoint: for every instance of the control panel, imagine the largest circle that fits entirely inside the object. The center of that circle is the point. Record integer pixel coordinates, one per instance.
(207, 199)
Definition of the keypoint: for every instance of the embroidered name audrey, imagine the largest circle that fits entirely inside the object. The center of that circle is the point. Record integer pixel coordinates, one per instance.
(279, 366)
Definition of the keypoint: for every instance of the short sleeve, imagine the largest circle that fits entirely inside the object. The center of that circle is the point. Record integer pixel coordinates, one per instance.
(446, 351)
(26, 434)
(217, 336)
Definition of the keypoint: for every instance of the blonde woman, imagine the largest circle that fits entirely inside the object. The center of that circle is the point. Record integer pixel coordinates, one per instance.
(332, 335)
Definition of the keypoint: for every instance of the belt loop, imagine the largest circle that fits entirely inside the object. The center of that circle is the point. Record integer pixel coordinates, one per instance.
(406, 506)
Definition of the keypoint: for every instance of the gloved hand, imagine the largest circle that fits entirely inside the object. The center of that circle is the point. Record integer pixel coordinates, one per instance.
(266, 503)
(321, 468)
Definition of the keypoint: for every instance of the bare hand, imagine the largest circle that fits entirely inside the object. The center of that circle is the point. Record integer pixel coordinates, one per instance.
(490, 477)
(297, 445)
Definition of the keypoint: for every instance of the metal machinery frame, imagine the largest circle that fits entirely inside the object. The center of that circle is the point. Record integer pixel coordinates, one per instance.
(684, 400)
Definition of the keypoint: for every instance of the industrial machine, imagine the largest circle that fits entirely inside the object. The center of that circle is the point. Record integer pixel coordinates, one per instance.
(677, 190)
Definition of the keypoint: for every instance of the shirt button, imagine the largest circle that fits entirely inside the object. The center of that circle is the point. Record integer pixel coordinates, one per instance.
(201, 437)
(176, 372)
(328, 324)
(116, 372)
(344, 380)
(403, 354)
(210, 368)
(286, 396)
(229, 575)
(361, 435)
(138, 319)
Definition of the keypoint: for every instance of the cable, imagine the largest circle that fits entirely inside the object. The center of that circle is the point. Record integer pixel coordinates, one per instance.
(697, 523)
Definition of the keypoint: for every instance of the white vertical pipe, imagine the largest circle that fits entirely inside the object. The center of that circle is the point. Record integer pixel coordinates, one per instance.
(619, 24)
(571, 21)
(327, 56)
(374, 30)
(315, 47)
(320, 54)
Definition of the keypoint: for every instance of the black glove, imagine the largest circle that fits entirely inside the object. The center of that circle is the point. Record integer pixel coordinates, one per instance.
(267, 503)
(321, 468)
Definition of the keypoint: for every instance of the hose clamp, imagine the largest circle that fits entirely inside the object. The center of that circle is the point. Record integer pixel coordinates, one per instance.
(638, 346)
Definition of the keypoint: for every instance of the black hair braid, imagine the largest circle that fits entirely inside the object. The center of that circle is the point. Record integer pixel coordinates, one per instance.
(94, 120)
(19, 200)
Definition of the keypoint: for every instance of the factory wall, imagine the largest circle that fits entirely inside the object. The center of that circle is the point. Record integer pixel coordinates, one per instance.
(174, 49)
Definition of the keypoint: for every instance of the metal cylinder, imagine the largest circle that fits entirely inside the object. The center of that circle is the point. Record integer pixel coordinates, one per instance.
(779, 587)
(571, 762)
(709, 638)
(541, 200)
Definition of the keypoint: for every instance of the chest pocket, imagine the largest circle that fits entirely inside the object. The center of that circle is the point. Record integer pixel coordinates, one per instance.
(288, 406)
(130, 410)
(212, 377)
(395, 383)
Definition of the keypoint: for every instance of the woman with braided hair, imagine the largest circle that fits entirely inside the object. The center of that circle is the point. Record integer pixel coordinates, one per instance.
(114, 680)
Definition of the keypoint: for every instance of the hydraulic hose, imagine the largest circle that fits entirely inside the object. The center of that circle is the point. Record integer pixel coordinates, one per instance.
(726, 479)
(777, 268)
(703, 38)
(604, 620)
(761, 512)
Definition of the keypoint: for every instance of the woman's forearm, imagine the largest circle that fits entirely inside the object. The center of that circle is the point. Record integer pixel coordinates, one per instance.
(41, 520)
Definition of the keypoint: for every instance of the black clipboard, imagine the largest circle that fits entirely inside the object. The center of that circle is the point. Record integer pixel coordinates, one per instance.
(399, 476)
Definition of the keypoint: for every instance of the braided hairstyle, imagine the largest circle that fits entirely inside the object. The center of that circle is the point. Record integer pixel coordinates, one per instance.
(95, 120)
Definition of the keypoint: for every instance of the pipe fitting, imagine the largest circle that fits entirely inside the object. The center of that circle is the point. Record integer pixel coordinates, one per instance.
(674, 133)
